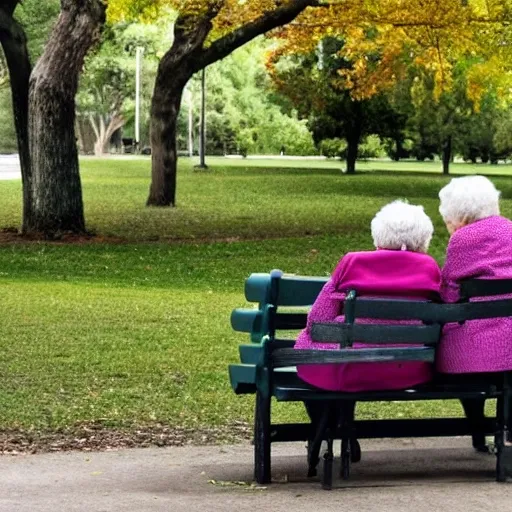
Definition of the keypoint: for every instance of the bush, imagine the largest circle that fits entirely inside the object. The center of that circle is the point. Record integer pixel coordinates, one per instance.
(372, 147)
(333, 148)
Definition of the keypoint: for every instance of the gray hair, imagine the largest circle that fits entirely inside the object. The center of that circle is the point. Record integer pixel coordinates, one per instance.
(400, 225)
(468, 199)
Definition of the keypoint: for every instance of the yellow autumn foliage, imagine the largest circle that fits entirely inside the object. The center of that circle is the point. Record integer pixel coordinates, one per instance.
(396, 34)
(227, 14)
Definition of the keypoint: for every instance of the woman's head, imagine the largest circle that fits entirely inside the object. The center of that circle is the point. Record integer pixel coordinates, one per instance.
(399, 225)
(466, 200)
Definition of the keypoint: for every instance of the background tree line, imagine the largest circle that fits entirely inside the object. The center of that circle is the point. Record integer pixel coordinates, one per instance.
(453, 58)
(245, 109)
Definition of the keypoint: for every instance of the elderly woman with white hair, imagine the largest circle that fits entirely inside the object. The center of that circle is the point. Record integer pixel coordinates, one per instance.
(400, 268)
(480, 247)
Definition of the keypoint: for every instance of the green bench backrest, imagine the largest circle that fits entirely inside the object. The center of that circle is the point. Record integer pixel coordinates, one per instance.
(275, 292)
(291, 290)
(433, 315)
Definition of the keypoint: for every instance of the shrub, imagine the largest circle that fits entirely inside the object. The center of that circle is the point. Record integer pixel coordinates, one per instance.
(333, 148)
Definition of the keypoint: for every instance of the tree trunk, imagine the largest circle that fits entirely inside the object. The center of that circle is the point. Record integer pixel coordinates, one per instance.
(399, 148)
(186, 57)
(165, 108)
(354, 137)
(174, 71)
(352, 150)
(104, 132)
(57, 193)
(14, 44)
(447, 154)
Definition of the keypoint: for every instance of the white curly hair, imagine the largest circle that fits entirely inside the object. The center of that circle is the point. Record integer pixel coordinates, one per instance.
(468, 199)
(400, 225)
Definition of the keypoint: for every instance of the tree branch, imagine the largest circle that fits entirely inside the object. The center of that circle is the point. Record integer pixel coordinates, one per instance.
(117, 121)
(267, 21)
(8, 25)
(94, 126)
(9, 6)
(14, 45)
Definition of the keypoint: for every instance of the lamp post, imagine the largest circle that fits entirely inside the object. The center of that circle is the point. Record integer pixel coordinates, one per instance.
(202, 130)
(190, 124)
(138, 62)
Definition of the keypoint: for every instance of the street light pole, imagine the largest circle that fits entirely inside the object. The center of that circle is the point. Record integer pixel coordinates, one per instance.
(202, 137)
(138, 59)
(190, 123)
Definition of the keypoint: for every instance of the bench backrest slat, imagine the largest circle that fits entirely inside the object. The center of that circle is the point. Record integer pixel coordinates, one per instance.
(393, 309)
(290, 321)
(346, 334)
(292, 290)
(389, 309)
(297, 291)
(485, 287)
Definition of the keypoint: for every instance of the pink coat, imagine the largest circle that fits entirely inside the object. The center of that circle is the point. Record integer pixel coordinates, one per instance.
(481, 250)
(381, 273)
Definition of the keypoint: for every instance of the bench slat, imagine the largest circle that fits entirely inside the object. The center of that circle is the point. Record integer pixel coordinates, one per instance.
(287, 386)
(246, 320)
(256, 287)
(393, 309)
(299, 291)
(485, 287)
(375, 333)
(377, 429)
(292, 357)
(290, 321)
(250, 354)
(243, 378)
(431, 312)
(475, 310)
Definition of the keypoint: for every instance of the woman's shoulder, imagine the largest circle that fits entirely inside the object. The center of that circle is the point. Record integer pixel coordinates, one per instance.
(386, 257)
(483, 226)
(423, 257)
(495, 228)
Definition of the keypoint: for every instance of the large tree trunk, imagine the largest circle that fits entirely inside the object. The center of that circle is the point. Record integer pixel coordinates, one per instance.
(56, 189)
(14, 44)
(447, 154)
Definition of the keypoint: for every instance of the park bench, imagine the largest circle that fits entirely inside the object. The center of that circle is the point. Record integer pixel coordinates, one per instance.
(268, 366)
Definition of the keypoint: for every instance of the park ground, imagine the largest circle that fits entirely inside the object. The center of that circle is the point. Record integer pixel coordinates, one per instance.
(123, 338)
(394, 476)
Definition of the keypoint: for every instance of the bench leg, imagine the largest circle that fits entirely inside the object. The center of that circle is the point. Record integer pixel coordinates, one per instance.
(328, 462)
(262, 468)
(350, 449)
(499, 439)
(319, 413)
(474, 410)
(345, 458)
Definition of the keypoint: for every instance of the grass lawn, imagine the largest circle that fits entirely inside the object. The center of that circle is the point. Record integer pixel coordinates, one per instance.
(134, 331)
